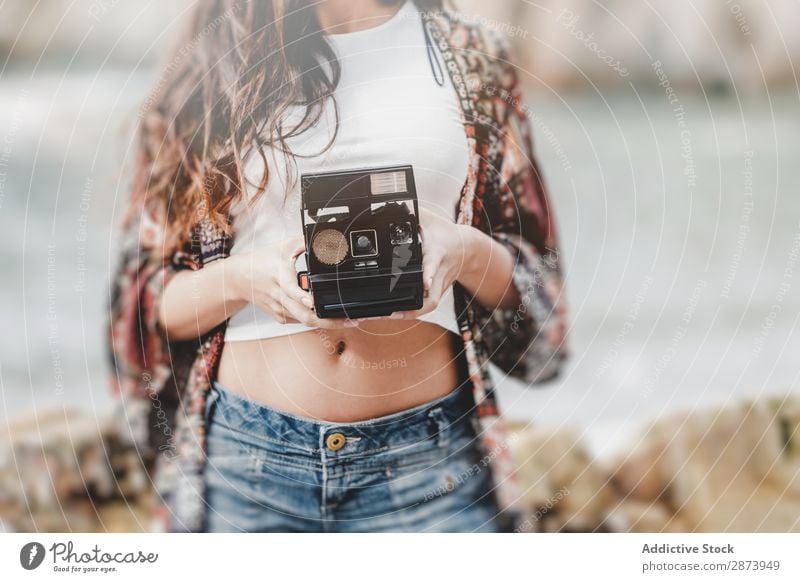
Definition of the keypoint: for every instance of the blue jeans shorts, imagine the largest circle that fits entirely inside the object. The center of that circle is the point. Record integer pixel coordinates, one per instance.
(417, 470)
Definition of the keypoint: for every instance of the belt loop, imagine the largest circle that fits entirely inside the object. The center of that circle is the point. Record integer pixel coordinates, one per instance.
(441, 426)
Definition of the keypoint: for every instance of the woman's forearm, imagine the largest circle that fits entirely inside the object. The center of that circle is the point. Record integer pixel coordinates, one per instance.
(194, 302)
(487, 270)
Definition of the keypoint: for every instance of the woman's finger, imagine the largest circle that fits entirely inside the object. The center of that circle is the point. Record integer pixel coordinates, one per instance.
(281, 311)
(295, 308)
(283, 316)
(310, 319)
(429, 270)
(429, 304)
(292, 248)
(437, 287)
(288, 283)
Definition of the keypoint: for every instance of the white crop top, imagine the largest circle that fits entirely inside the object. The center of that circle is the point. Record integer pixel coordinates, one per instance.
(392, 112)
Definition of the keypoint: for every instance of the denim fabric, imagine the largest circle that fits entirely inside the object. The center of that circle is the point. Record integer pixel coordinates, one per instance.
(418, 470)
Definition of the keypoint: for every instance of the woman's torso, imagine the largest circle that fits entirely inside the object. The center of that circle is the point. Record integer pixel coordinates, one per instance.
(344, 375)
(392, 112)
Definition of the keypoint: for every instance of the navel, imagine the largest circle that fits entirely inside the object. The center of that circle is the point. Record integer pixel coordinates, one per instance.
(340, 347)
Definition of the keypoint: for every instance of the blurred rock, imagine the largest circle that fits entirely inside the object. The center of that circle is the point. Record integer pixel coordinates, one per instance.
(731, 469)
(564, 488)
(735, 468)
(640, 516)
(63, 471)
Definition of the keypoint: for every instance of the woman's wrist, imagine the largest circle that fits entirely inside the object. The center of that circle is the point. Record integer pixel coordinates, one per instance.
(486, 270)
(469, 248)
(235, 279)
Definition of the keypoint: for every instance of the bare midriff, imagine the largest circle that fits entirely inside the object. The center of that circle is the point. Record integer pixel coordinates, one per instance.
(344, 375)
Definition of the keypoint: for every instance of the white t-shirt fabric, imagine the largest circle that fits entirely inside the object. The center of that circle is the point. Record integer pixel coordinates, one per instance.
(391, 112)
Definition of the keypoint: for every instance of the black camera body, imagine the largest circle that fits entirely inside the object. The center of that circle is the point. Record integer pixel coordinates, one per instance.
(363, 249)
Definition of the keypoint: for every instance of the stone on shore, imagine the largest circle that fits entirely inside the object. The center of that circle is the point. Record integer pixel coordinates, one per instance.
(734, 468)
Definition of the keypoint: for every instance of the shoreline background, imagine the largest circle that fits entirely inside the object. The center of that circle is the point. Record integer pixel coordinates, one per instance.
(668, 137)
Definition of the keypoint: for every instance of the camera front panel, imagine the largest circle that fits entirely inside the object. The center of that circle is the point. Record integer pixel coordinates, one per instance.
(363, 249)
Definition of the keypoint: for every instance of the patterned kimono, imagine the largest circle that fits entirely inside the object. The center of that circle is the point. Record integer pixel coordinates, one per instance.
(164, 384)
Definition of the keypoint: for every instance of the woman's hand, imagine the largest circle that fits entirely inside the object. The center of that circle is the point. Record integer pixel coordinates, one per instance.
(267, 278)
(454, 252)
(445, 251)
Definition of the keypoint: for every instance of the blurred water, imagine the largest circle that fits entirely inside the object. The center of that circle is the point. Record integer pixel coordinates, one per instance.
(674, 255)
(65, 143)
(681, 248)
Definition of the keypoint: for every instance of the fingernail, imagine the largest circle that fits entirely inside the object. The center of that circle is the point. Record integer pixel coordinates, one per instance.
(396, 315)
(351, 323)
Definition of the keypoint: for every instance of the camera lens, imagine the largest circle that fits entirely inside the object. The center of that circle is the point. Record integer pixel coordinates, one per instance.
(364, 245)
(400, 233)
(364, 242)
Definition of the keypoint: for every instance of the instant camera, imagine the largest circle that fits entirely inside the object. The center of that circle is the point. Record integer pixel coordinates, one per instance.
(363, 249)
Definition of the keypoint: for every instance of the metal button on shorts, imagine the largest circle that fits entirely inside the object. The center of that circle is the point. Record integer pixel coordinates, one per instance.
(335, 441)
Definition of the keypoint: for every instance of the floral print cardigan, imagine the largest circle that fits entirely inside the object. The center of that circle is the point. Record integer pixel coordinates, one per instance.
(163, 385)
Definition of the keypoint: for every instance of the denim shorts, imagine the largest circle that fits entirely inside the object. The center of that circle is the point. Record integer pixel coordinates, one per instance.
(417, 470)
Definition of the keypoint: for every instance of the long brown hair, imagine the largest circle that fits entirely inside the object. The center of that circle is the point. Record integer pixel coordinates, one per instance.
(236, 68)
